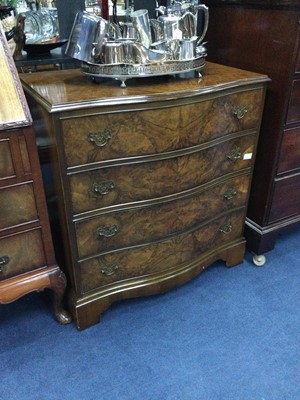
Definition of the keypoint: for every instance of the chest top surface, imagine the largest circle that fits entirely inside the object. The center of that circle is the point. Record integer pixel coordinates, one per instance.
(68, 90)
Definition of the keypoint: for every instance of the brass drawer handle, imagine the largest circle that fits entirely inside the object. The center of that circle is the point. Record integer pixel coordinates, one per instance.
(234, 154)
(107, 231)
(3, 261)
(230, 193)
(240, 112)
(110, 269)
(225, 228)
(100, 139)
(103, 188)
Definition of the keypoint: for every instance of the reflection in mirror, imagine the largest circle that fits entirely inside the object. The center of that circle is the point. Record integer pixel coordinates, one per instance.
(125, 7)
(100, 7)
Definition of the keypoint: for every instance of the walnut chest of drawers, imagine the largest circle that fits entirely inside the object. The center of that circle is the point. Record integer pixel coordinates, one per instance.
(152, 181)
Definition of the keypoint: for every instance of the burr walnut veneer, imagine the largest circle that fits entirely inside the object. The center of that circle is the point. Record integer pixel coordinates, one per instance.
(152, 180)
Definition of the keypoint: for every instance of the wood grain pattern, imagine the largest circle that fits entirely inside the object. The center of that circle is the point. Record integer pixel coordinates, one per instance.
(65, 87)
(152, 223)
(297, 68)
(160, 256)
(14, 110)
(26, 167)
(6, 163)
(264, 36)
(27, 260)
(160, 178)
(17, 205)
(289, 159)
(175, 128)
(285, 206)
(145, 210)
(25, 252)
(294, 103)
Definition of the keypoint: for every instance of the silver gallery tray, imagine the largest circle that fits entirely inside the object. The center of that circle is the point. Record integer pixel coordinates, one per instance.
(122, 72)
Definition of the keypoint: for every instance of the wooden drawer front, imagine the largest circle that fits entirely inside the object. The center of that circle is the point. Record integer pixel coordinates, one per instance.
(290, 151)
(149, 224)
(113, 136)
(293, 114)
(160, 256)
(6, 163)
(17, 206)
(286, 198)
(21, 253)
(117, 185)
(297, 69)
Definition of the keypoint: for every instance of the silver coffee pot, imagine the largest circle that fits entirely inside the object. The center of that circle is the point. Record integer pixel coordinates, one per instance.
(179, 21)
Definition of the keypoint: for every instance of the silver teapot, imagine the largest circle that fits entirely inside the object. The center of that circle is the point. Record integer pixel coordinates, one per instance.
(179, 21)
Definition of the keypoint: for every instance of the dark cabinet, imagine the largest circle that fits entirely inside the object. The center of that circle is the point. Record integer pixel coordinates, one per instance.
(263, 36)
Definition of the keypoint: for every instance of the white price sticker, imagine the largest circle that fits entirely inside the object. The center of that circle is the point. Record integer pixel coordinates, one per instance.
(247, 156)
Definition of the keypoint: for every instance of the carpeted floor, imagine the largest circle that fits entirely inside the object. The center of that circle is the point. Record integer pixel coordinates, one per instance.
(230, 334)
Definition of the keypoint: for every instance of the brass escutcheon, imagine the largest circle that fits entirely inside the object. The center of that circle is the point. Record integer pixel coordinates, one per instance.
(235, 154)
(3, 261)
(103, 188)
(110, 269)
(100, 139)
(225, 228)
(240, 112)
(230, 193)
(107, 231)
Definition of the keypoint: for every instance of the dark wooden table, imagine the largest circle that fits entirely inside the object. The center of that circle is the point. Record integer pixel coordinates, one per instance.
(55, 58)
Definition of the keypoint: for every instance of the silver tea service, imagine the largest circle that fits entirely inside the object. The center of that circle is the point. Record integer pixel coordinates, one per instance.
(140, 46)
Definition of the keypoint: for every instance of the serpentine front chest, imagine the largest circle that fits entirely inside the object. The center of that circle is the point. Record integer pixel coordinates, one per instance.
(152, 181)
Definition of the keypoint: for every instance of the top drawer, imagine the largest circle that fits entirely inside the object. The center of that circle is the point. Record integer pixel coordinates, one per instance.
(298, 63)
(293, 114)
(7, 169)
(117, 135)
(14, 155)
(297, 68)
